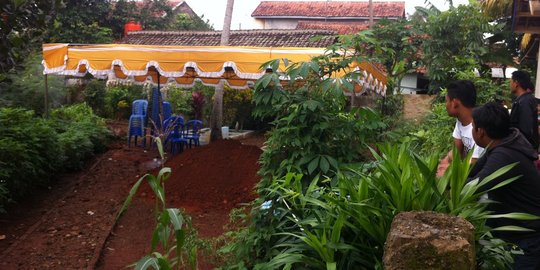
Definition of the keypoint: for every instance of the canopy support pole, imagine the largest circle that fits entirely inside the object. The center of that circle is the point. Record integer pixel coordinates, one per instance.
(537, 91)
(217, 113)
(46, 98)
(160, 100)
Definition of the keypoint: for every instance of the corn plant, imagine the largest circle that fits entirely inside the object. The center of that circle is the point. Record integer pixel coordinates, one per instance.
(173, 238)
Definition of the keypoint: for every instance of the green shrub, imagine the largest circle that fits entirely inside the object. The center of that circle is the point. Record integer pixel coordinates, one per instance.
(94, 96)
(27, 87)
(237, 106)
(391, 106)
(119, 100)
(4, 195)
(82, 134)
(435, 131)
(33, 149)
(487, 89)
(180, 100)
(345, 225)
(29, 151)
(76, 148)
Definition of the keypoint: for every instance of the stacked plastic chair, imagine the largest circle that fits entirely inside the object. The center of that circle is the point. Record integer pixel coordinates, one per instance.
(193, 128)
(167, 110)
(137, 121)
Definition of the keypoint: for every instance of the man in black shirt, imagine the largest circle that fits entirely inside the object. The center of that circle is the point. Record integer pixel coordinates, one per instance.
(505, 145)
(524, 114)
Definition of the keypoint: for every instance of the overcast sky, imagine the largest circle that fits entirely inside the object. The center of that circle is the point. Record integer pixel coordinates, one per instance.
(214, 10)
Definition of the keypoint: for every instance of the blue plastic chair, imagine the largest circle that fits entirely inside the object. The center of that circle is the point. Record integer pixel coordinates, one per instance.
(174, 129)
(137, 121)
(167, 110)
(136, 129)
(193, 128)
(139, 107)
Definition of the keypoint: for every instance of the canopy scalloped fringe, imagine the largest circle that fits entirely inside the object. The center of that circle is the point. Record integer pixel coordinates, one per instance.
(239, 66)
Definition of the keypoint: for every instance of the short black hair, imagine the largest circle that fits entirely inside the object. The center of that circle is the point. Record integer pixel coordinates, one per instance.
(523, 78)
(493, 118)
(463, 90)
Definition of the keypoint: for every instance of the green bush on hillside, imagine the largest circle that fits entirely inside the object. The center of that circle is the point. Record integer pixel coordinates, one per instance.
(29, 150)
(33, 149)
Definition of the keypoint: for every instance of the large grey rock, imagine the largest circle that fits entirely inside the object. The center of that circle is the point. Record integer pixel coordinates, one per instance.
(429, 240)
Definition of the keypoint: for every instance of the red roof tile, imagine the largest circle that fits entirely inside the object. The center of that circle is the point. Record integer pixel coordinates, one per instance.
(340, 28)
(262, 38)
(341, 9)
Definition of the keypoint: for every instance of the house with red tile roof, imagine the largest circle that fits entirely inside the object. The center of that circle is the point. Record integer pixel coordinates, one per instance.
(345, 17)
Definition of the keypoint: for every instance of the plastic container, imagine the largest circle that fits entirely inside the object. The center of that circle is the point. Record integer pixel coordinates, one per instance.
(225, 132)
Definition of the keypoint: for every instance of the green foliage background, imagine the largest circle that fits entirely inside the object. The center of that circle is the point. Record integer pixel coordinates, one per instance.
(33, 150)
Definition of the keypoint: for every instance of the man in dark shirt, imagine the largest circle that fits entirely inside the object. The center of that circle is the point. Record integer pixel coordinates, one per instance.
(505, 145)
(524, 114)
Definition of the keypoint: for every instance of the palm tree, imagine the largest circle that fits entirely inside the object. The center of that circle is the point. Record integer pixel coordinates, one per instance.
(217, 108)
(497, 8)
(503, 9)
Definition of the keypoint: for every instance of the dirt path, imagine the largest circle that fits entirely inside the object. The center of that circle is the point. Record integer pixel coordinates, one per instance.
(67, 228)
(416, 106)
(68, 225)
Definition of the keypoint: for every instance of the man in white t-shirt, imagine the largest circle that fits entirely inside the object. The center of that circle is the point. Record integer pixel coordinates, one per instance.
(460, 102)
(464, 134)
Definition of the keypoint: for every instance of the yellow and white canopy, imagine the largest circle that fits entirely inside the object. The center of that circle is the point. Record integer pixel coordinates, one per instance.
(182, 65)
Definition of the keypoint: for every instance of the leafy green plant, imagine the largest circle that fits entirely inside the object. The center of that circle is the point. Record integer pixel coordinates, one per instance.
(344, 226)
(119, 99)
(197, 104)
(174, 238)
(29, 151)
(94, 96)
(237, 106)
(81, 134)
(27, 87)
(435, 131)
(180, 100)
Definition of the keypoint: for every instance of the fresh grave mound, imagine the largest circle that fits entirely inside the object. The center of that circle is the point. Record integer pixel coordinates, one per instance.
(219, 175)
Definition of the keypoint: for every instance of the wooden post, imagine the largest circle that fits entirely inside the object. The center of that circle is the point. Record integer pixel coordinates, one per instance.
(46, 98)
(160, 101)
(537, 88)
(217, 113)
(370, 13)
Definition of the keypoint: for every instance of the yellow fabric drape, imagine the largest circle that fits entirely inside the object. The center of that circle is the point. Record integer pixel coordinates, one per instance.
(180, 64)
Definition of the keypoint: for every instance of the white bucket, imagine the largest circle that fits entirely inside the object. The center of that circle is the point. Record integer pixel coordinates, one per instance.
(225, 132)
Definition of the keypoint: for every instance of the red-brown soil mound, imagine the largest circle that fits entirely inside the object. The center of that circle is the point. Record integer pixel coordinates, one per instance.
(220, 175)
(206, 181)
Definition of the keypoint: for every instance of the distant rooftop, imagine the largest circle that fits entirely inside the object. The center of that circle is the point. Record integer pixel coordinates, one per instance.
(260, 38)
(328, 9)
(340, 28)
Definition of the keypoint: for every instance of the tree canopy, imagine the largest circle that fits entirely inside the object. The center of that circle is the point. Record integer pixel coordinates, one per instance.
(25, 24)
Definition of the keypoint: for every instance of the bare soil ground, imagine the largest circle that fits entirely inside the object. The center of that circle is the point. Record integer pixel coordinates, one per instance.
(416, 106)
(70, 225)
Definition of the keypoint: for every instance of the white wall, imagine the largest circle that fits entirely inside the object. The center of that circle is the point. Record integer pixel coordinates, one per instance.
(409, 81)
